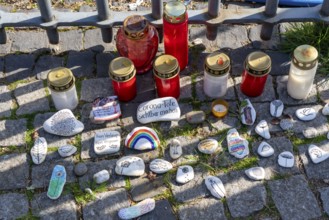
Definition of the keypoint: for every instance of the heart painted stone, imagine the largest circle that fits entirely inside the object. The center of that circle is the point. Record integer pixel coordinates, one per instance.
(255, 173)
(215, 186)
(175, 149)
(67, 150)
(310, 132)
(263, 130)
(39, 150)
(161, 109)
(142, 138)
(57, 182)
(195, 117)
(237, 146)
(248, 113)
(63, 123)
(276, 108)
(286, 124)
(306, 114)
(325, 110)
(184, 174)
(101, 176)
(160, 166)
(107, 142)
(137, 210)
(317, 155)
(265, 149)
(130, 166)
(208, 146)
(286, 159)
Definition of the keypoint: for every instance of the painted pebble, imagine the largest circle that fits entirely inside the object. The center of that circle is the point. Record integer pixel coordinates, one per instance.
(195, 117)
(67, 150)
(265, 150)
(325, 110)
(248, 113)
(286, 124)
(255, 173)
(184, 174)
(39, 150)
(263, 130)
(101, 176)
(317, 155)
(137, 210)
(208, 146)
(175, 149)
(237, 146)
(142, 138)
(63, 123)
(215, 186)
(160, 166)
(306, 114)
(57, 182)
(286, 159)
(276, 108)
(130, 166)
(80, 169)
(107, 142)
(310, 132)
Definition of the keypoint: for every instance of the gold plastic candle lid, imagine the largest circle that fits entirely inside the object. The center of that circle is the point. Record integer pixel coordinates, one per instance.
(166, 66)
(174, 12)
(135, 27)
(60, 79)
(217, 63)
(121, 69)
(305, 57)
(258, 63)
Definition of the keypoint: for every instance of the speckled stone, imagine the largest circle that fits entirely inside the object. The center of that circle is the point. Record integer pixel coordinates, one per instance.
(80, 169)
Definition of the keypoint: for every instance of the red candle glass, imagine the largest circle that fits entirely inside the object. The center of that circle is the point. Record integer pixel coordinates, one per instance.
(166, 75)
(254, 76)
(138, 41)
(123, 75)
(175, 32)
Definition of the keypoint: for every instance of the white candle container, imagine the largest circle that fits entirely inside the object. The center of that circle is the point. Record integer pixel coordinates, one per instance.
(61, 83)
(216, 72)
(302, 71)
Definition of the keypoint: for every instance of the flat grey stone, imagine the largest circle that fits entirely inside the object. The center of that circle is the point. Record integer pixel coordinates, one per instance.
(93, 41)
(322, 84)
(81, 63)
(280, 63)
(168, 125)
(185, 87)
(115, 181)
(294, 199)
(103, 61)
(31, 97)
(41, 173)
(80, 169)
(93, 88)
(324, 192)
(18, 67)
(62, 208)
(29, 41)
(162, 211)
(45, 64)
(208, 208)
(258, 43)
(13, 132)
(146, 155)
(13, 205)
(70, 40)
(145, 86)
(6, 101)
(129, 115)
(14, 171)
(107, 207)
(318, 171)
(270, 164)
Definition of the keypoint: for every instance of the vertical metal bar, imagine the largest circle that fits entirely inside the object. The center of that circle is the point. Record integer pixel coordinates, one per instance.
(213, 8)
(211, 33)
(325, 8)
(104, 14)
(271, 7)
(157, 9)
(3, 36)
(266, 31)
(47, 16)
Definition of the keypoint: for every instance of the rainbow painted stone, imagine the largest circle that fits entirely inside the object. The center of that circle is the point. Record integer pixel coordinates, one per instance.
(142, 138)
(57, 182)
(237, 146)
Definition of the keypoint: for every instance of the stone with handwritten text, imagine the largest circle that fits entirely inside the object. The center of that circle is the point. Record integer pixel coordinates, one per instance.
(306, 114)
(107, 142)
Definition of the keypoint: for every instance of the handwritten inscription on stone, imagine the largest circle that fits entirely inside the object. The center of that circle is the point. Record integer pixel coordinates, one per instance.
(107, 142)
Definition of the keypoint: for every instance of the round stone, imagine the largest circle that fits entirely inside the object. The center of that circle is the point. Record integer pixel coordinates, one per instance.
(286, 124)
(80, 169)
(306, 114)
(208, 146)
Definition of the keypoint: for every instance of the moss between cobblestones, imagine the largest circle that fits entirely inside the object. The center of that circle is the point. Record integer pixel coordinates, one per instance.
(270, 210)
(82, 197)
(127, 184)
(302, 141)
(77, 143)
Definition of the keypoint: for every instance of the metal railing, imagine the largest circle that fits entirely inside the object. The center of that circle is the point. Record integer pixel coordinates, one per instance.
(268, 16)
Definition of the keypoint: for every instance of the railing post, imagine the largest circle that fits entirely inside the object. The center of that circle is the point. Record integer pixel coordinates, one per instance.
(104, 14)
(213, 12)
(157, 9)
(3, 36)
(325, 8)
(271, 8)
(47, 16)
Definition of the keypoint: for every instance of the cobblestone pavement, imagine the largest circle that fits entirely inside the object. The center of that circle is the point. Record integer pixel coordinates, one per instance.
(301, 192)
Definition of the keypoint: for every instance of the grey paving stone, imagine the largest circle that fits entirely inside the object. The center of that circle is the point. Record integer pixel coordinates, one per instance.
(168, 125)
(129, 117)
(13, 205)
(287, 100)
(294, 199)
(145, 86)
(18, 67)
(185, 87)
(322, 84)
(45, 64)
(208, 208)
(162, 211)
(87, 142)
(270, 164)
(107, 207)
(62, 208)
(5, 48)
(37, 41)
(31, 97)
(280, 63)
(146, 155)
(41, 173)
(238, 57)
(70, 40)
(93, 88)
(318, 171)
(94, 167)
(103, 61)
(258, 43)
(81, 63)
(324, 192)
(6, 101)
(12, 132)
(14, 171)
(93, 41)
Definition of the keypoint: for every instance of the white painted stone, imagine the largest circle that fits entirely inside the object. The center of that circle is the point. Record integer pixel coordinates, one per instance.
(325, 110)
(137, 210)
(310, 132)
(215, 186)
(142, 138)
(161, 109)
(130, 166)
(276, 108)
(248, 113)
(67, 150)
(101, 176)
(175, 149)
(197, 41)
(208, 146)
(317, 155)
(107, 142)
(63, 123)
(286, 124)
(39, 150)
(286, 159)
(184, 174)
(263, 130)
(160, 166)
(306, 114)
(255, 173)
(265, 149)
(237, 146)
